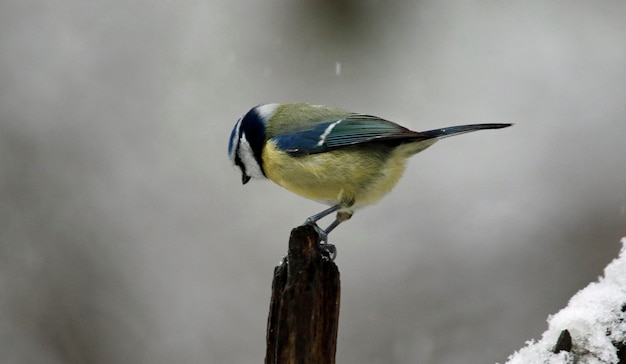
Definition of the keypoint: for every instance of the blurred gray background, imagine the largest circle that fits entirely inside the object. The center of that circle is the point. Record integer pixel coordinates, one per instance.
(126, 236)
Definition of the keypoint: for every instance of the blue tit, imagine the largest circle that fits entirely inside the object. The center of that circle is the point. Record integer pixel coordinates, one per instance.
(339, 158)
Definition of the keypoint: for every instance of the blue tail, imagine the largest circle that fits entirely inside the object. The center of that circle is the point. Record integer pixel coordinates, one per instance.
(460, 129)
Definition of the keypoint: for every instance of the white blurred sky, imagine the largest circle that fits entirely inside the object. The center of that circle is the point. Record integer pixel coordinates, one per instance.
(127, 236)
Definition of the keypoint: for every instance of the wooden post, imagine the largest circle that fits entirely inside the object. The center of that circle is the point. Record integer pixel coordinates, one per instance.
(304, 309)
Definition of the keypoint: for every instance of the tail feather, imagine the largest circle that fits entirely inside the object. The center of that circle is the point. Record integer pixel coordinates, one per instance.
(461, 129)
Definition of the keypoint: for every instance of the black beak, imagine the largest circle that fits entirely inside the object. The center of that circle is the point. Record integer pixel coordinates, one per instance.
(244, 178)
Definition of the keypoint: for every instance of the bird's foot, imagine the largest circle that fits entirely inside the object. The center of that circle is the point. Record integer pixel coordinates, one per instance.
(329, 251)
(321, 232)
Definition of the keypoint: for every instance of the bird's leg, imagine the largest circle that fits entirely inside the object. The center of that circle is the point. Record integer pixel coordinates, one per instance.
(329, 248)
(323, 233)
(313, 222)
(313, 219)
(341, 217)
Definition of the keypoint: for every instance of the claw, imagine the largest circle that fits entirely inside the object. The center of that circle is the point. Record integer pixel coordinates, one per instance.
(329, 252)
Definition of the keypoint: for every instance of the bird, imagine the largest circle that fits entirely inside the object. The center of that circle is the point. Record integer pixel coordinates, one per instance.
(343, 159)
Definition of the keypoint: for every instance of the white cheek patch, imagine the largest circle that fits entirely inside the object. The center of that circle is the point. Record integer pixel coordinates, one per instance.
(246, 154)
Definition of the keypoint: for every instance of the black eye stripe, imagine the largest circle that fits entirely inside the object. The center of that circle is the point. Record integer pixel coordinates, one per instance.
(253, 129)
(239, 162)
(237, 158)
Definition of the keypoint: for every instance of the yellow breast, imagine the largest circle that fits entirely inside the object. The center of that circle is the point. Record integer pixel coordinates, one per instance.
(347, 176)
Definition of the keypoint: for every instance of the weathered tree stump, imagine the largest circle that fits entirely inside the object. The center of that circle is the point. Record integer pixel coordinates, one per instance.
(304, 308)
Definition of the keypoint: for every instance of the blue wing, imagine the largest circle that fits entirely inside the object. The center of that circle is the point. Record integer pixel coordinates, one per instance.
(352, 130)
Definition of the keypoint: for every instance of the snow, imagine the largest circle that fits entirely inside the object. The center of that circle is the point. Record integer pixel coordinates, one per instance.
(595, 317)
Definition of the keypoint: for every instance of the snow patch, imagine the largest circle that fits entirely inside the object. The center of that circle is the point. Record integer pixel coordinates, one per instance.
(595, 317)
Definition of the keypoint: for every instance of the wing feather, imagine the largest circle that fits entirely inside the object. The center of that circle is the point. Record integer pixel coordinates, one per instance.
(351, 130)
